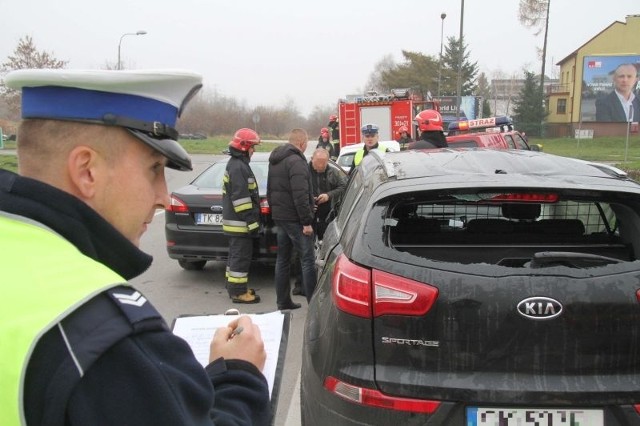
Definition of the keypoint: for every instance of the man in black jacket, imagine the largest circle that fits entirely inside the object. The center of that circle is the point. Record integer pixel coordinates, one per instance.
(80, 345)
(240, 214)
(290, 196)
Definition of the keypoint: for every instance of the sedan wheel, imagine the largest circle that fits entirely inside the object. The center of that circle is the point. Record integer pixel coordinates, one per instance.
(196, 265)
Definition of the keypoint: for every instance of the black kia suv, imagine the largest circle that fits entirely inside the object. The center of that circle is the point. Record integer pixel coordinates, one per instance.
(477, 287)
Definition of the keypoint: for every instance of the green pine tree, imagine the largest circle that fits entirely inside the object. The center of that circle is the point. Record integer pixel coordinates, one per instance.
(529, 111)
(450, 61)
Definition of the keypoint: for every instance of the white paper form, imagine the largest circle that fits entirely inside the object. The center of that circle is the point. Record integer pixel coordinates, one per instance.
(199, 330)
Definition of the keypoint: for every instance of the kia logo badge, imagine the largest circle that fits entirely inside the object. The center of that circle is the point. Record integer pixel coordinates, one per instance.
(539, 308)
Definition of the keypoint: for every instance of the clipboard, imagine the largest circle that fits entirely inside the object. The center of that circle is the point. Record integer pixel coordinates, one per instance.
(197, 331)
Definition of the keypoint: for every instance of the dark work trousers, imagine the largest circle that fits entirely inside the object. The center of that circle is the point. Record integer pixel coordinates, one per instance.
(296, 268)
(290, 237)
(238, 263)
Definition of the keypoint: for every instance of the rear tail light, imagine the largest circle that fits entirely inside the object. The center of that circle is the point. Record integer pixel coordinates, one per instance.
(176, 205)
(264, 207)
(637, 407)
(638, 295)
(365, 293)
(374, 398)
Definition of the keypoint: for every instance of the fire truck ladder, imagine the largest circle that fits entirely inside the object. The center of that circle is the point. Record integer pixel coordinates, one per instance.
(351, 122)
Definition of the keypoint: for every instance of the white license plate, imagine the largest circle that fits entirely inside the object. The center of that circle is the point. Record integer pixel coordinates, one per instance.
(500, 416)
(208, 219)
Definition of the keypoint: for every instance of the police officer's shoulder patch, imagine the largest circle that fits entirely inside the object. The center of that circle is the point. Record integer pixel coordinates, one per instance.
(133, 305)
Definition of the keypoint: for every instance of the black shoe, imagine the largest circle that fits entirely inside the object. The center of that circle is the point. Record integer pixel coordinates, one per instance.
(288, 306)
(246, 298)
(297, 291)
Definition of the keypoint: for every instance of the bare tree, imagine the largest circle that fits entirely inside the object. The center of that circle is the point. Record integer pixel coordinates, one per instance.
(535, 14)
(375, 81)
(25, 56)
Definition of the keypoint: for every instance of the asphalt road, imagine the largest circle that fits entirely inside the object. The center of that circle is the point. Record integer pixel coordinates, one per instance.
(174, 292)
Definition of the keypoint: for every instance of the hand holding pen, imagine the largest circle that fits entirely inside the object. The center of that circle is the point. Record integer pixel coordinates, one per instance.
(242, 340)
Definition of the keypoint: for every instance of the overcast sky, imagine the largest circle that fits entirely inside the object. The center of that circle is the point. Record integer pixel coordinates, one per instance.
(314, 52)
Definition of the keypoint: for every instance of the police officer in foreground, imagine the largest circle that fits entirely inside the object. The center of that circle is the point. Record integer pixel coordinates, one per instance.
(241, 214)
(79, 345)
(370, 139)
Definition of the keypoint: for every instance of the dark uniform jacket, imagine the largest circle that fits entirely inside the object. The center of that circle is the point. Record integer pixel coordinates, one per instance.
(326, 145)
(404, 142)
(240, 199)
(431, 139)
(335, 129)
(149, 377)
(289, 189)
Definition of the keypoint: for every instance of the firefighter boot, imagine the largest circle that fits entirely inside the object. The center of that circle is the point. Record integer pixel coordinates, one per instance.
(249, 297)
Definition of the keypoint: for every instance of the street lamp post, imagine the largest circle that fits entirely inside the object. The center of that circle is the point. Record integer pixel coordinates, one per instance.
(442, 16)
(459, 84)
(137, 33)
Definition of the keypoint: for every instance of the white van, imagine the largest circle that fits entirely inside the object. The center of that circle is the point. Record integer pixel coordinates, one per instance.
(347, 152)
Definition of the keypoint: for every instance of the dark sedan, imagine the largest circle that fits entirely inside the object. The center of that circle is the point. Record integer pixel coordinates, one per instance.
(193, 226)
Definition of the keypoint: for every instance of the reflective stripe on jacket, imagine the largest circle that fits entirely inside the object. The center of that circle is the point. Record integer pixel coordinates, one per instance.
(36, 299)
(240, 197)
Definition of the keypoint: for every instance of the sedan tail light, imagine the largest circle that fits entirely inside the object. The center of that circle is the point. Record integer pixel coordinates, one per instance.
(371, 293)
(264, 207)
(375, 398)
(176, 205)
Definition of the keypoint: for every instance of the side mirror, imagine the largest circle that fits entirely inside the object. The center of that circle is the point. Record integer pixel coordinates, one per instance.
(535, 147)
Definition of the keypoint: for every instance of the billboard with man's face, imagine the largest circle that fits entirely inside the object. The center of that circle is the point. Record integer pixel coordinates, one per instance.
(607, 83)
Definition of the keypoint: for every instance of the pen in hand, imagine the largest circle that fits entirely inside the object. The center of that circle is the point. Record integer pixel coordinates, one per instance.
(236, 331)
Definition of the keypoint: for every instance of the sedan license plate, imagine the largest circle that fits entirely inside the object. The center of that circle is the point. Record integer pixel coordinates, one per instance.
(208, 219)
(500, 416)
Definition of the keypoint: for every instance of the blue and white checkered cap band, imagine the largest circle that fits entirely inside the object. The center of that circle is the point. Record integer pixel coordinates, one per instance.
(70, 103)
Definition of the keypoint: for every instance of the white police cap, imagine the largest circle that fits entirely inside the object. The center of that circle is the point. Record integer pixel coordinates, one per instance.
(145, 102)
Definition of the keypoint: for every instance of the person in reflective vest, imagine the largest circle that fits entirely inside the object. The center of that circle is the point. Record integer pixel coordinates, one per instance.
(240, 214)
(78, 344)
(370, 138)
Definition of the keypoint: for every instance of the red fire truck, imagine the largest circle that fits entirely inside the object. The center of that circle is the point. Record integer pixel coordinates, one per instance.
(388, 111)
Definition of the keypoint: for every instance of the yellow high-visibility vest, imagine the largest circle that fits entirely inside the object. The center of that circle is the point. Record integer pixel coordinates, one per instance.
(44, 278)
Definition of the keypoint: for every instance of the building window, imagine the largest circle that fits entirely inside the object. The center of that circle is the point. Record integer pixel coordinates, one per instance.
(562, 106)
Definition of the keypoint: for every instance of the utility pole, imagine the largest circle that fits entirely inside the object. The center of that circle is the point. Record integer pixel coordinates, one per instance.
(459, 83)
(442, 16)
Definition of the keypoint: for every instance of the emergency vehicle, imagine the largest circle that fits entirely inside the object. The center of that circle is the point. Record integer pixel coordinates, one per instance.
(388, 111)
(490, 132)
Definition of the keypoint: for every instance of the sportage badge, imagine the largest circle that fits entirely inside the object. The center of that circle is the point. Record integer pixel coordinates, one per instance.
(539, 308)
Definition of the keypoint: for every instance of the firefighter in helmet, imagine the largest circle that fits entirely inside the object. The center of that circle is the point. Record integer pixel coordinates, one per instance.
(404, 138)
(335, 133)
(324, 142)
(429, 123)
(240, 214)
